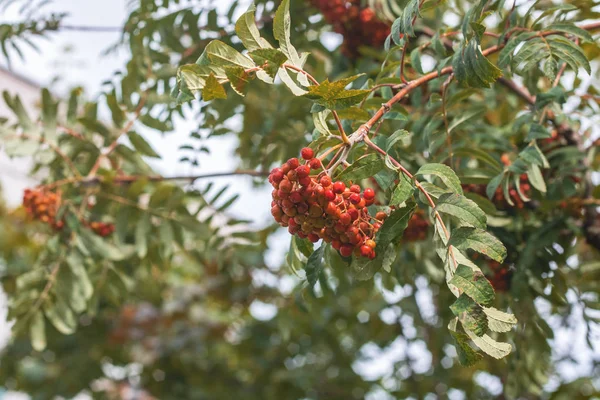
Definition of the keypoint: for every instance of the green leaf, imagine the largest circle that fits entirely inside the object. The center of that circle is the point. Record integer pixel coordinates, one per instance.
(499, 321)
(37, 331)
(393, 227)
(402, 192)
(462, 208)
(213, 89)
(118, 115)
(466, 355)
(389, 257)
(334, 96)
(474, 284)
(534, 175)
(495, 349)
(572, 29)
(470, 314)
(395, 137)
(537, 131)
(362, 168)
(140, 144)
(479, 240)
(404, 24)
(445, 173)
(61, 316)
(472, 68)
(415, 60)
(49, 114)
(247, 31)
(223, 55)
(142, 231)
(238, 79)
(390, 231)
(314, 265)
(493, 185)
(270, 60)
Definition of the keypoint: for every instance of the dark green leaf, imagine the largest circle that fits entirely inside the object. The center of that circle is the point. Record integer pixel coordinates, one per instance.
(474, 284)
(314, 265)
(362, 168)
(445, 173)
(479, 240)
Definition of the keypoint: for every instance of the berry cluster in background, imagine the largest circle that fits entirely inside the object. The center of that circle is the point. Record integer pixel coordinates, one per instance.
(43, 205)
(358, 24)
(315, 207)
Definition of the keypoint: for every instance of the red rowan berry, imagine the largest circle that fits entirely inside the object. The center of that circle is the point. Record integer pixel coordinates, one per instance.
(369, 194)
(325, 181)
(370, 243)
(313, 237)
(380, 215)
(307, 153)
(354, 198)
(355, 188)
(329, 195)
(293, 163)
(346, 250)
(303, 171)
(339, 187)
(315, 163)
(365, 251)
(345, 219)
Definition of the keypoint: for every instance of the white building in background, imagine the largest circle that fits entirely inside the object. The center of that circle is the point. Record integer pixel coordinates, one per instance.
(14, 173)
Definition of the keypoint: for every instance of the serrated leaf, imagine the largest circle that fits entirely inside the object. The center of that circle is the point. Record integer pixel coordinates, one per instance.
(470, 314)
(320, 121)
(466, 355)
(537, 131)
(495, 349)
(474, 284)
(403, 25)
(395, 137)
(572, 29)
(390, 231)
(314, 265)
(213, 89)
(238, 79)
(402, 192)
(465, 210)
(140, 144)
(222, 55)
(472, 68)
(270, 60)
(362, 168)
(445, 173)
(479, 240)
(389, 257)
(499, 321)
(393, 227)
(334, 96)
(491, 187)
(247, 31)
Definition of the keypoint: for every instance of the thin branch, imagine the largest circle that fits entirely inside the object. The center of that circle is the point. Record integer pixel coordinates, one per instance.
(316, 82)
(445, 114)
(410, 176)
(114, 144)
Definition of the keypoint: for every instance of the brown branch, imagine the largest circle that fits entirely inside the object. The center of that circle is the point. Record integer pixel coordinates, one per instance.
(316, 82)
(410, 176)
(114, 144)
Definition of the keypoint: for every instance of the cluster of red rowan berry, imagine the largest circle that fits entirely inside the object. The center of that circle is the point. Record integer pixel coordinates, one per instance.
(43, 205)
(358, 24)
(416, 230)
(501, 276)
(101, 228)
(315, 207)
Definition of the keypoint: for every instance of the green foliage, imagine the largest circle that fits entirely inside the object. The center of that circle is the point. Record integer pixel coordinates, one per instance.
(176, 287)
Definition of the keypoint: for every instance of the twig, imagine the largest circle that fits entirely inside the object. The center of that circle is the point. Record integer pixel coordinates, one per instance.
(316, 82)
(410, 176)
(114, 144)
